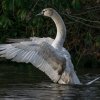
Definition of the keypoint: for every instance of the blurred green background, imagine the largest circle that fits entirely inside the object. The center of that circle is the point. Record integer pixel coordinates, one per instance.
(82, 19)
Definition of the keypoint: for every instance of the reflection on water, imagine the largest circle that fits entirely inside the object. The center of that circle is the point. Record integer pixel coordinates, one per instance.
(44, 89)
(50, 91)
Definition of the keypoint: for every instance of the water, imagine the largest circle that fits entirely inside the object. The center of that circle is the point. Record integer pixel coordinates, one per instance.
(18, 86)
(50, 91)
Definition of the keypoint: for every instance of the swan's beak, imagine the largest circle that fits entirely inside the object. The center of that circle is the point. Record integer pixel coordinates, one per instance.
(41, 13)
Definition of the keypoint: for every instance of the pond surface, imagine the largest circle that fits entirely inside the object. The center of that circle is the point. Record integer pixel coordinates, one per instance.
(16, 85)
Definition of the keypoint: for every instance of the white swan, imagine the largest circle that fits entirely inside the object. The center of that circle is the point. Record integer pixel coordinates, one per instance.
(46, 54)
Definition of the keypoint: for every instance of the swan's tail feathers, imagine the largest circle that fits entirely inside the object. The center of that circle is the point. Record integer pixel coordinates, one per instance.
(93, 81)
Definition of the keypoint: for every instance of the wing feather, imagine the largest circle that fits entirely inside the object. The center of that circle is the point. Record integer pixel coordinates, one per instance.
(43, 57)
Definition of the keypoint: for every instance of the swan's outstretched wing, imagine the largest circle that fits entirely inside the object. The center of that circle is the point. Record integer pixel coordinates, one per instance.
(43, 56)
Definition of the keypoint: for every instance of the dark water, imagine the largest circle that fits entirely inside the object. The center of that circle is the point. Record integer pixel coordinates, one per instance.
(20, 86)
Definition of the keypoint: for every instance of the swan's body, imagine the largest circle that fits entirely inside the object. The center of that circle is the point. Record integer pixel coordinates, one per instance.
(45, 53)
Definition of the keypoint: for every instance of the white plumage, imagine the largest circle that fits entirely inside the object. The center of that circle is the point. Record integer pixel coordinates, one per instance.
(46, 54)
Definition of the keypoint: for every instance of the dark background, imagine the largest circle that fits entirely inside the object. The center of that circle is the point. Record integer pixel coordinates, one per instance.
(82, 19)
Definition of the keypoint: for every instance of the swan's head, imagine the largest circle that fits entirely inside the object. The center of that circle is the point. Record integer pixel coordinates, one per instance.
(47, 12)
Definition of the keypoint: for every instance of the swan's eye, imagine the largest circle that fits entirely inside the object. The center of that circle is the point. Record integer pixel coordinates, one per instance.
(43, 12)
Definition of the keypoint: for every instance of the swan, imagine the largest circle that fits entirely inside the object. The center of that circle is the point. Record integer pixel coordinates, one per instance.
(46, 54)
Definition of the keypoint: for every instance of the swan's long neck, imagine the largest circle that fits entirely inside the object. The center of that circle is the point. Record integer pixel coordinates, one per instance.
(61, 31)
